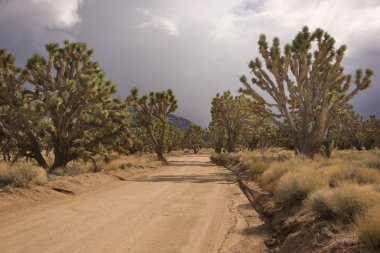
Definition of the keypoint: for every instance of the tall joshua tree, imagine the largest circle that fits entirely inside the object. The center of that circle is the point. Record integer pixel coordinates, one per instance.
(152, 107)
(312, 85)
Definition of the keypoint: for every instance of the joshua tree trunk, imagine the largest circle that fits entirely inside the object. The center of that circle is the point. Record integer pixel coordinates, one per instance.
(195, 149)
(37, 155)
(219, 145)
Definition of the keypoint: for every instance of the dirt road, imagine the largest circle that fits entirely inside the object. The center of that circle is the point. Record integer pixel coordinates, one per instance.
(190, 206)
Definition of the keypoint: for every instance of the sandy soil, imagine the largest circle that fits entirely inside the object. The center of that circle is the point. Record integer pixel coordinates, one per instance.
(189, 206)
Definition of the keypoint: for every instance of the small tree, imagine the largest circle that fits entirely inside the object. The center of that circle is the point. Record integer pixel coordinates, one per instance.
(152, 107)
(313, 85)
(194, 137)
(174, 138)
(230, 116)
(217, 134)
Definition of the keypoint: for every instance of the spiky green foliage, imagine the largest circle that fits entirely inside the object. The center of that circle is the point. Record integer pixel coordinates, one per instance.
(174, 138)
(352, 131)
(68, 108)
(194, 138)
(311, 84)
(150, 108)
(21, 120)
(235, 121)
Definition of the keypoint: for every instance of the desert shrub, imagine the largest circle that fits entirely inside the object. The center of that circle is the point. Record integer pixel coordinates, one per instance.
(224, 159)
(368, 227)
(75, 168)
(255, 168)
(124, 164)
(375, 164)
(343, 202)
(341, 173)
(270, 177)
(219, 159)
(376, 186)
(20, 175)
(295, 186)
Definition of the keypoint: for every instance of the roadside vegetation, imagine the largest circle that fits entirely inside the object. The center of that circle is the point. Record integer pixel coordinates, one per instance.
(343, 189)
(61, 114)
(293, 132)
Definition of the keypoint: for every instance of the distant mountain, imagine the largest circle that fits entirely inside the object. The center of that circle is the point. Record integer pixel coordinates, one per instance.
(179, 122)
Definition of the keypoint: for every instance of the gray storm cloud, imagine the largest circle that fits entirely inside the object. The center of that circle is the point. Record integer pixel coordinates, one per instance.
(196, 47)
(31, 19)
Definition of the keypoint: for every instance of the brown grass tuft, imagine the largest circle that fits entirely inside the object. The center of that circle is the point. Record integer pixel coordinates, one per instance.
(255, 168)
(224, 159)
(345, 173)
(343, 202)
(368, 227)
(20, 175)
(296, 185)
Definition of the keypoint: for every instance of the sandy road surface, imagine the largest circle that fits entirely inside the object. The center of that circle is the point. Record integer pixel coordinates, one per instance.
(190, 206)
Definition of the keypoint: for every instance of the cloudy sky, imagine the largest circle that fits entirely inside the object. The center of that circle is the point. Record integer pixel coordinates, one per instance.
(195, 47)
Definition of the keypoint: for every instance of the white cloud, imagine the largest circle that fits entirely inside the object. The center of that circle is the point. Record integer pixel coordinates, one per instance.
(159, 22)
(355, 23)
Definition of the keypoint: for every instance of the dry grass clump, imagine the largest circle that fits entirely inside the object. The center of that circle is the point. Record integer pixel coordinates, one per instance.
(224, 159)
(116, 162)
(75, 168)
(368, 227)
(252, 163)
(376, 186)
(270, 177)
(20, 175)
(343, 202)
(296, 185)
(255, 168)
(346, 173)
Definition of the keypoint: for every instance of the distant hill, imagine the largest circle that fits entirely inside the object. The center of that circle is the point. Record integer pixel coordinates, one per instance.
(179, 122)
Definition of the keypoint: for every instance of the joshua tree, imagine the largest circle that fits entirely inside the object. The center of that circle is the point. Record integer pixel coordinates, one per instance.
(21, 124)
(313, 85)
(174, 138)
(68, 109)
(233, 114)
(152, 107)
(217, 134)
(352, 131)
(260, 134)
(194, 137)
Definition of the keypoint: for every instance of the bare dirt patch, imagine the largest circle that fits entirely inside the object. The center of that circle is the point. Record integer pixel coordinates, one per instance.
(189, 206)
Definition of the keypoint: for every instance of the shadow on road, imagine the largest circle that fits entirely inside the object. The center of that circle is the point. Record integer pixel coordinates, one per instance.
(220, 178)
(189, 163)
